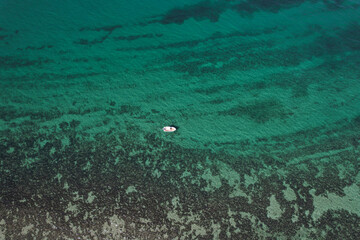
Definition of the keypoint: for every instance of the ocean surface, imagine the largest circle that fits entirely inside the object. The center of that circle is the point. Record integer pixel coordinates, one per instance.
(265, 95)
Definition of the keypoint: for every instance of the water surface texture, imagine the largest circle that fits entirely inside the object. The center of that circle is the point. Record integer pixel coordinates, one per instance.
(265, 94)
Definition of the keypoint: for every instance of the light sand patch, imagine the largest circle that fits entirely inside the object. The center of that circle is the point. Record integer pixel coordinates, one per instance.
(86, 215)
(65, 142)
(216, 229)
(28, 161)
(257, 225)
(344, 171)
(233, 179)
(10, 150)
(144, 220)
(250, 180)
(198, 230)
(115, 226)
(156, 173)
(48, 219)
(76, 196)
(74, 228)
(42, 143)
(232, 222)
(239, 193)
(58, 177)
(131, 189)
(226, 172)
(71, 208)
(52, 150)
(87, 166)
(185, 174)
(349, 202)
(174, 215)
(289, 194)
(212, 181)
(2, 229)
(295, 216)
(25, 230)
(45, 235)
(90, 197)
(93, 234)
(274, 211)
(320, 171)
(158, 228)
(175, 201)
(185, 220)
(303, 233)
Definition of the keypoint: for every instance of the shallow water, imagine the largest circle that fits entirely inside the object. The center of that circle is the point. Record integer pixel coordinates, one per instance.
(265, 95)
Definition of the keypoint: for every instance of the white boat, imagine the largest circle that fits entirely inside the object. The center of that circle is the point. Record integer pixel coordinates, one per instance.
(169, 129)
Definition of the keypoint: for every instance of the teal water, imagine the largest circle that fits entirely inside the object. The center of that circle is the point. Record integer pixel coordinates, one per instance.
(265, 94)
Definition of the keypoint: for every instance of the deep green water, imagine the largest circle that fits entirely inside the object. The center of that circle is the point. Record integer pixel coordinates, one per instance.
(265, 93)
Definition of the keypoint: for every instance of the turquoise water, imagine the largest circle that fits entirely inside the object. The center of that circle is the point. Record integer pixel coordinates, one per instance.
(265, 94)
